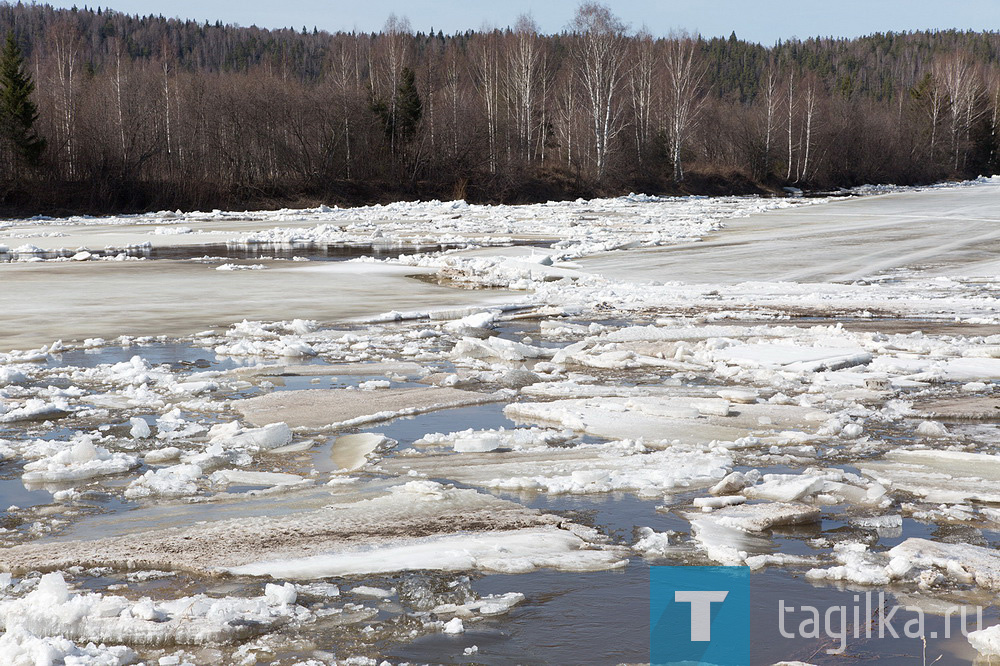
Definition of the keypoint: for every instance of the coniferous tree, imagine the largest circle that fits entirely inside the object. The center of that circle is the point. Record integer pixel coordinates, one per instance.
(18, 112)
(410, 107)
(401, 122)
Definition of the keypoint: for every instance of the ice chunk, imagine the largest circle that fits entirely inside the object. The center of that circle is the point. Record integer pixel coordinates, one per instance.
(454, 626)
(268, 437)
(158, 456)
(857, 564)
(745, 396)
(20, 646)
(340, 407)
(280, 595)
(514, 551)
(758, 517)
(655, 544)
(932, 429)
(242, 477)
(176, 481)
(350, 452)
(81, 461)
(490, 440)
(687, 419)
(986, 641)
(10, 375)
(961, 562)
(36, 409)
(791, 357)
(939, 476)
(369, 591)
(140, 429)
(481, 442)
(458, 528)
(52, 610)
(589, 468)
(476, 320)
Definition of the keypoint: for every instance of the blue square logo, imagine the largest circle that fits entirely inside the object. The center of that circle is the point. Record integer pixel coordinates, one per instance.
(699, 615)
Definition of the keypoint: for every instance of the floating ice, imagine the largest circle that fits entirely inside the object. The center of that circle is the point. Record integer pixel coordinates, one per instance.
(139, 428)
(53, 610)
(82, 460)
(350, 452)
(516, 551)
(174, 481)
(588, 468)
(319, 408)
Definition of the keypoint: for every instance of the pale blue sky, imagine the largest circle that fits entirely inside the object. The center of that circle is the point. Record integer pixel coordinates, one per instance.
(762, 20)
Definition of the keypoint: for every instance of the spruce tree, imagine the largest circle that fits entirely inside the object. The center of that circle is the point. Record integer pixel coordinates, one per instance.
(410, 108)
(401, 119)
(17, 112)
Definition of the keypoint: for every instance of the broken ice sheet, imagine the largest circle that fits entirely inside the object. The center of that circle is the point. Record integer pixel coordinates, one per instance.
(939, 476)
(686, 420)
(586, 468)
(935, 568)
(419, 518)
(733, 534)
(339, 408)
(52, 609)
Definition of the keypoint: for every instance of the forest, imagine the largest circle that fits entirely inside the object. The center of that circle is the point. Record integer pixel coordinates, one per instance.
(102, 111)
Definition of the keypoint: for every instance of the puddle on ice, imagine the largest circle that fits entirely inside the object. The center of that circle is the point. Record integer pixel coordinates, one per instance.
(12, 491)
(408, 429)
(181, 355)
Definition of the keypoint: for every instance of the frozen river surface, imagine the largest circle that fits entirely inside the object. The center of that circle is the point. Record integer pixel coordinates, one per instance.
(472, 446)
(948, 231)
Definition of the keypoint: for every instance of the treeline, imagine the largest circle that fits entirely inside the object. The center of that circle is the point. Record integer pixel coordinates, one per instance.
(147, 112)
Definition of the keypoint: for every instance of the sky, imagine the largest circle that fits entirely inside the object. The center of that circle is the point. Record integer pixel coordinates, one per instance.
(763, 21)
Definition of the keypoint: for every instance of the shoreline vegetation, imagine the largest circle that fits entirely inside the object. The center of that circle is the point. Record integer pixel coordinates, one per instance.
(103, 112)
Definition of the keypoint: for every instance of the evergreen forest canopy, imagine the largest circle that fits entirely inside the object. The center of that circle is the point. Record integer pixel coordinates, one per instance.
(104, 111)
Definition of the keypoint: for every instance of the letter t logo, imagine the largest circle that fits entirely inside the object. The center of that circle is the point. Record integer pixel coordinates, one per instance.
(701, 610)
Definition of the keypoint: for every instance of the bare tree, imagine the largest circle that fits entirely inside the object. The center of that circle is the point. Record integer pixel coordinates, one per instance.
(523, 79)
(600, 54)
(684, 78)
(641, 75)
(958, 78)
(790, 92)
(771, 101)
(809, 109)
(65, 43)
(118, 83)
(395, 38)
(993, 92)
(487, 68)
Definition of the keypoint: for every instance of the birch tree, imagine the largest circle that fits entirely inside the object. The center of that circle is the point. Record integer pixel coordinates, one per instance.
(600, 54)
(65, 43)
(684, 77)
(487, 67)
(522, 82)
(771, 102)
(641, 74)
(961, 87)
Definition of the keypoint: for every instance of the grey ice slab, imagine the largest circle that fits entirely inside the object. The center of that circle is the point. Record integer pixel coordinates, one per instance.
(341, 523)
(957, 230)
(43, 302)
(339, 370)
(318, 408)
